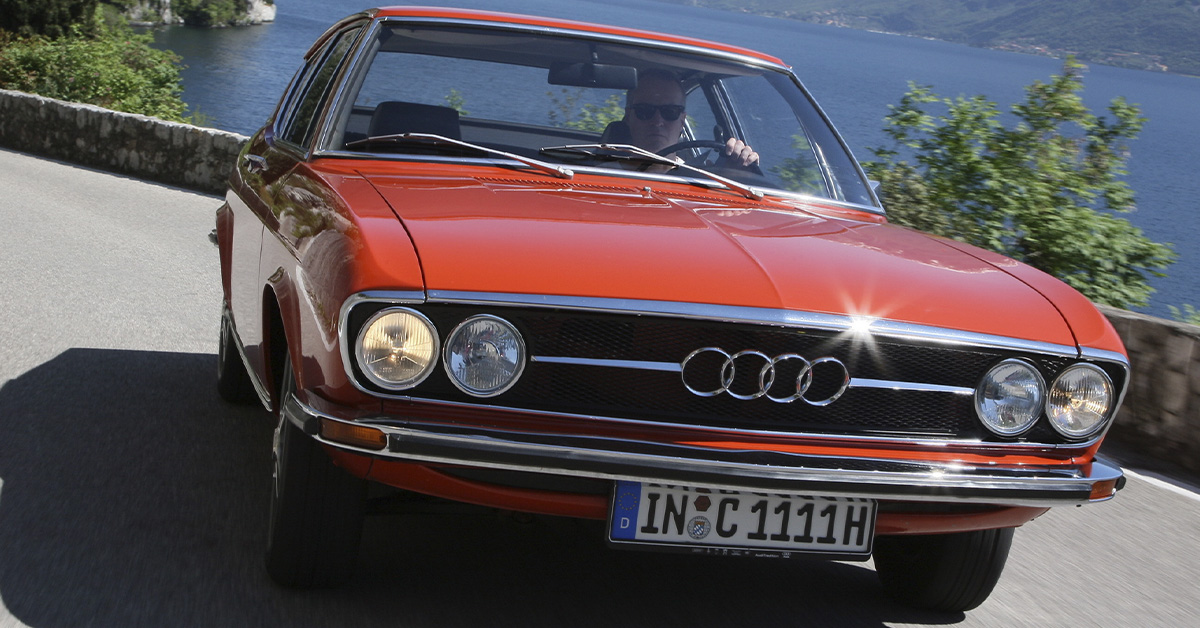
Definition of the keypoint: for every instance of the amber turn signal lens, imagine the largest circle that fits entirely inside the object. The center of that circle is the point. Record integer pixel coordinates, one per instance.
(353, 435)
(1103, 490)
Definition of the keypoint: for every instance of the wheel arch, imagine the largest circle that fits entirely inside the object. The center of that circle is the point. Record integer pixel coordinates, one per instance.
(278, 348)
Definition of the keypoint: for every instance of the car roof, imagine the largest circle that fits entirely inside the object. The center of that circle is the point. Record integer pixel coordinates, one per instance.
(497, 17)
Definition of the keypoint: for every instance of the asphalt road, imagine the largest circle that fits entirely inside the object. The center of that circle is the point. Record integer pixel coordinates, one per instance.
(131, 495)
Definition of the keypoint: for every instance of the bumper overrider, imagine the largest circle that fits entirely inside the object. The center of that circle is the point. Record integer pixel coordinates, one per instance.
(588, 456)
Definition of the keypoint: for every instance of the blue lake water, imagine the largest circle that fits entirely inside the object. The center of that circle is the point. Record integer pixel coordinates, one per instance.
(235, 77)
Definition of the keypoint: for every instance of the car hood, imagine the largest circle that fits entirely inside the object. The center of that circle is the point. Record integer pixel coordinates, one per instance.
(675, 243)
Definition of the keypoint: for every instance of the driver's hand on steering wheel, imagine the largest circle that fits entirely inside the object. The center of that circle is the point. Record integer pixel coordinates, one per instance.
(738, 153)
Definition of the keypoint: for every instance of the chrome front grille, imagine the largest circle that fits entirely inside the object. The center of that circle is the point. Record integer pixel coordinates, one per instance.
(627, 367)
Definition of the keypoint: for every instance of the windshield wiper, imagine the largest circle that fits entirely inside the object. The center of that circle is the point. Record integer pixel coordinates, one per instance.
(431, 139)
(643, 154)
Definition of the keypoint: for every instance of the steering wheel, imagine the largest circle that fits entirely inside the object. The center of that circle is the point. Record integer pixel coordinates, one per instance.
(714, 144)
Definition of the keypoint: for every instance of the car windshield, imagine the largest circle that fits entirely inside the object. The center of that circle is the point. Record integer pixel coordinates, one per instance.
(561, 98)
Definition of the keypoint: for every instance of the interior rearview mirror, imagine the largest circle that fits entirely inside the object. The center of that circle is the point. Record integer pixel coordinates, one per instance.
(593, 75)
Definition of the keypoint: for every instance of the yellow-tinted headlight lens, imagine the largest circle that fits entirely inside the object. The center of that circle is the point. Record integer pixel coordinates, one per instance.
(1080, 401)
(397, 348)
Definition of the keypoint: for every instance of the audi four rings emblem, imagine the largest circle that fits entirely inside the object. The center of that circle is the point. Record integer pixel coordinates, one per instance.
(767, 374)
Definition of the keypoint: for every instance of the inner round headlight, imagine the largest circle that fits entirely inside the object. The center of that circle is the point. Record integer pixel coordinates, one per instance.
(1080, 401)
(1009, 399)
(484, 356)
(397, 348)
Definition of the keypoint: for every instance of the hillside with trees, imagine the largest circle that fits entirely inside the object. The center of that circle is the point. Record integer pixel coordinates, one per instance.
(52, 18)
(1159, 35)
(82, 51)
(202, 13)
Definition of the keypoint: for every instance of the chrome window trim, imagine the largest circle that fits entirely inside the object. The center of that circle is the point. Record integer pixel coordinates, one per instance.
(362, 24)
(354, 60)
(594, 35)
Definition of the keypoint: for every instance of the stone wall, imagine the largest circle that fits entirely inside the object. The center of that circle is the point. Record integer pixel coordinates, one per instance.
(1160, 418)
(148, 148)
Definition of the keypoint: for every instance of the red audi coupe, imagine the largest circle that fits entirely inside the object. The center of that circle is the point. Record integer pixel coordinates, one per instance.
(560, 268)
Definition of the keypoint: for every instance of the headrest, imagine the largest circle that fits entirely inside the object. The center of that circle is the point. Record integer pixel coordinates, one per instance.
(393, 117)
(617, 132)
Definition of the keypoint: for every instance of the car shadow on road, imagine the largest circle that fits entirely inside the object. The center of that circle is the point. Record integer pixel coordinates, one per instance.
(130, 494)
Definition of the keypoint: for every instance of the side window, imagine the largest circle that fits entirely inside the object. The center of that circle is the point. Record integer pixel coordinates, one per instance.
(700, 118)
(775, 132)
(315, 88)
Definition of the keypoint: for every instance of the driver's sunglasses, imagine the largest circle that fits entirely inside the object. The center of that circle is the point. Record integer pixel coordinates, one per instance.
(645, 111)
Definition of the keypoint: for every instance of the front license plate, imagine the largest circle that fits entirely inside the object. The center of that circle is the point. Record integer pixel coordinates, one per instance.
(718, 521)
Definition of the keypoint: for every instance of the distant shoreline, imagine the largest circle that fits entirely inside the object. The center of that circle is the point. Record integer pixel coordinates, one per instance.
(842, 19)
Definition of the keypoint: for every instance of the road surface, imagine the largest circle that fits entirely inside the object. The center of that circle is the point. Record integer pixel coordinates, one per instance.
(131, 495)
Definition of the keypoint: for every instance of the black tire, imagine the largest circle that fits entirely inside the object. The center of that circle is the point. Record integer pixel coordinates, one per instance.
(233, 382)
(317, 509)
(944, 572)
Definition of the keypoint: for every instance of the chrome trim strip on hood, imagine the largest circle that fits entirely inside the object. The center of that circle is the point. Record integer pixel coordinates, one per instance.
(737, 314)
(756, 315)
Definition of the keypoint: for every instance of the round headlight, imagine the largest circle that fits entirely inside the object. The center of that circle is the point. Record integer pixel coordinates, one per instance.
(484, 356)
(1009, 399)
(1080, 401)
(397, 348)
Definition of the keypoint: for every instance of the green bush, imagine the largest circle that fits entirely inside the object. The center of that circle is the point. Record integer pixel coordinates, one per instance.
(100, 64)
(1046, 191)
(1188, 314)
(210, 12)
(52, 18)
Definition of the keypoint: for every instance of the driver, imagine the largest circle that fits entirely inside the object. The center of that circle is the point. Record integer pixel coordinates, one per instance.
(654, 113)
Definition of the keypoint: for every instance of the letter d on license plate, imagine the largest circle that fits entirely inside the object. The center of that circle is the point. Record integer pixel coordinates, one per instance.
(717, 520)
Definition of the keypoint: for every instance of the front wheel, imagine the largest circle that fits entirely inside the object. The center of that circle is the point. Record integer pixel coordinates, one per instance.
(942, 572)
(317, 508)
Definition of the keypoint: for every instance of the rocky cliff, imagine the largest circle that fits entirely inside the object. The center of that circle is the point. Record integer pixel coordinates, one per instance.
(199, 12)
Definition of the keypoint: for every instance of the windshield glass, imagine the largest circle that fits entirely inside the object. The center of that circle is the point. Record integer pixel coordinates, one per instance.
(533, 93)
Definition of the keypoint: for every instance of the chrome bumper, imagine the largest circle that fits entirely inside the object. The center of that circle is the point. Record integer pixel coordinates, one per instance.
(613, 459)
